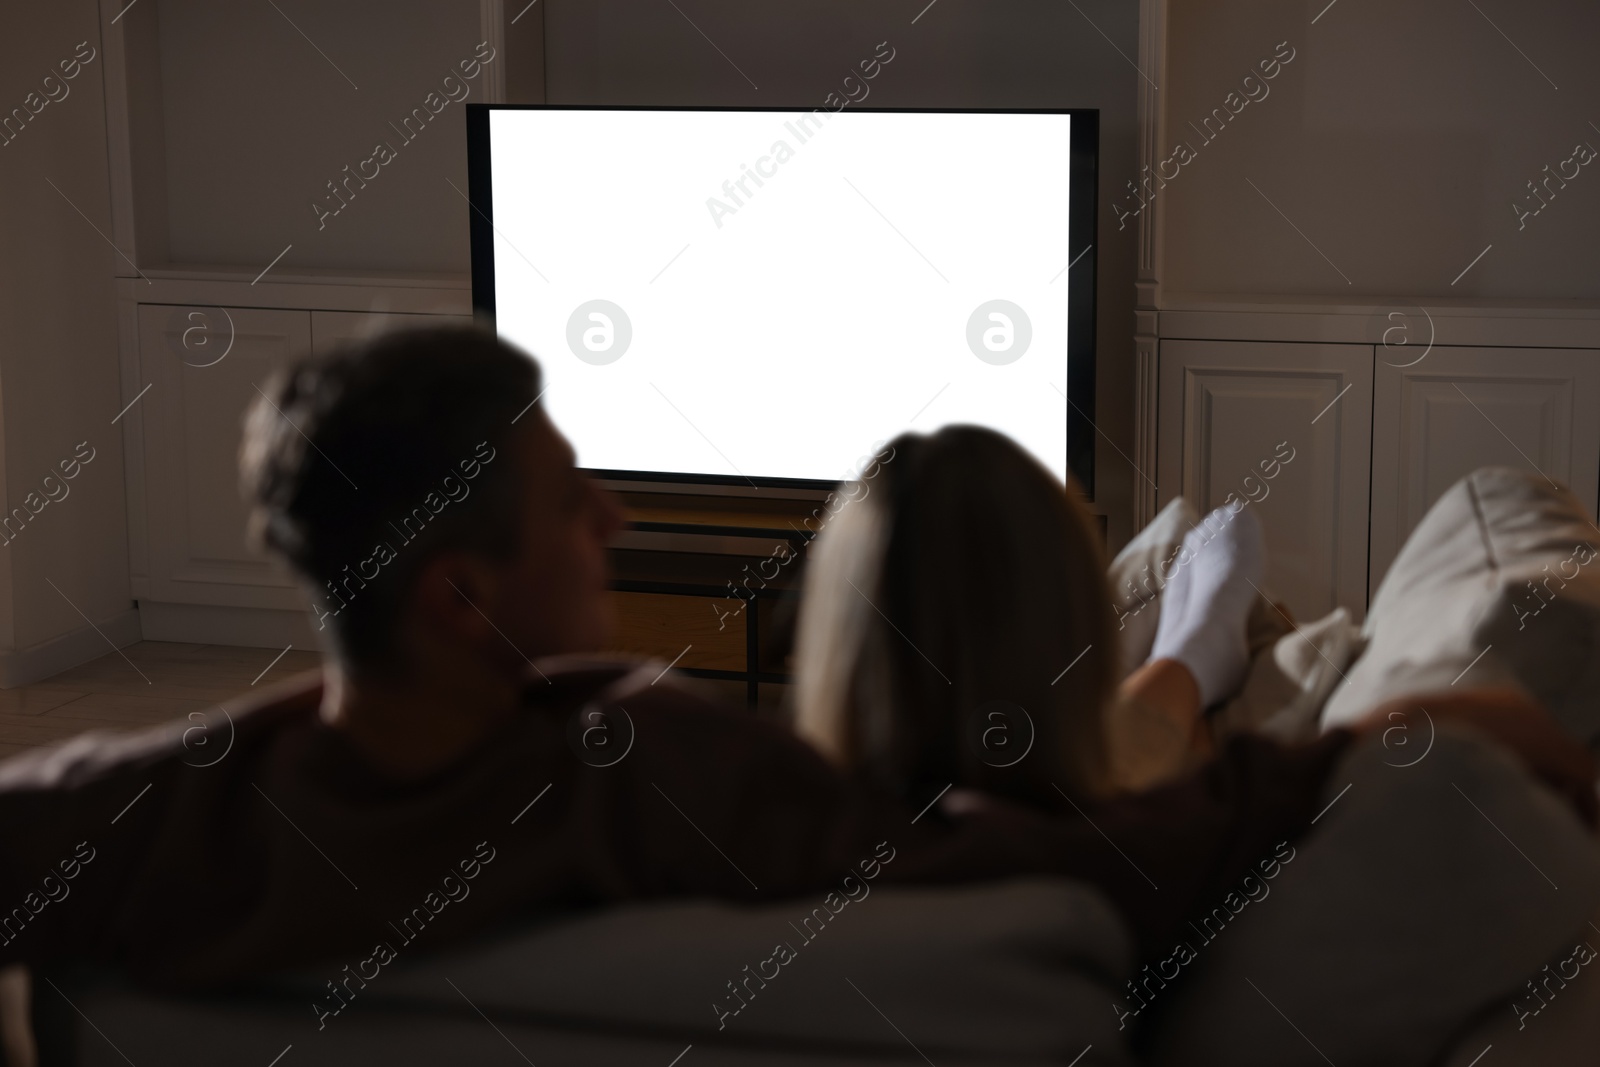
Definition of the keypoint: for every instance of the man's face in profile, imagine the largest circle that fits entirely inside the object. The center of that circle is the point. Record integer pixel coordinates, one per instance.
(552, 595)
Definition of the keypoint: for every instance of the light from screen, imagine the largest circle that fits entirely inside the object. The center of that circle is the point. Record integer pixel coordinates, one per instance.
(770, 295)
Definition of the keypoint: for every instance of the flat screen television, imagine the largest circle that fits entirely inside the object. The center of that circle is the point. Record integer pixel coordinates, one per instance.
(757, 296)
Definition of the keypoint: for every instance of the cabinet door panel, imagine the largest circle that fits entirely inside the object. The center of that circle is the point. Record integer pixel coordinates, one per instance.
(192, 428)
(1231, 411)
(331, 328)
(1459, 409)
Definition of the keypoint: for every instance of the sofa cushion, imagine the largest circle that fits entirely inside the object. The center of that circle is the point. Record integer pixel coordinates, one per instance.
(1565, 1032)
(1019, 972)
(1428, 894)
(1498, 584)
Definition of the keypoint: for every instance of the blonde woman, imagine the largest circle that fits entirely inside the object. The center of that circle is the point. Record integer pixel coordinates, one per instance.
(962, 576)
(956, 633)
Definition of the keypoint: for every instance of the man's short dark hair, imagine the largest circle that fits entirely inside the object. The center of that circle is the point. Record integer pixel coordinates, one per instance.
(361, 464)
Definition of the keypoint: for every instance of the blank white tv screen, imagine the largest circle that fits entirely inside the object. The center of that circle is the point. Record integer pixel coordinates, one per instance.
(731, 295)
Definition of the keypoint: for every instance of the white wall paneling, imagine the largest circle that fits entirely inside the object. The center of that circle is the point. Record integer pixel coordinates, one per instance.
(192, 420)
(223, 126)
(1229, 408)
(1459, 409)
(1152, 127)
(492, 26)
(1365, 245)
(196, 577)
(332, 328)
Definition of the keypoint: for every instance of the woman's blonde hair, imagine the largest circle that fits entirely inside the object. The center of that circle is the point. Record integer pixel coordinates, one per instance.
(955, 626)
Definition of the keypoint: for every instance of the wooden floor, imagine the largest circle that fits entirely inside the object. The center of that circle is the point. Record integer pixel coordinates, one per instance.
(145, 683)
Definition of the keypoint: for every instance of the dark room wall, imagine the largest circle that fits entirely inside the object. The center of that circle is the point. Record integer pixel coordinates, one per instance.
(1398, 140)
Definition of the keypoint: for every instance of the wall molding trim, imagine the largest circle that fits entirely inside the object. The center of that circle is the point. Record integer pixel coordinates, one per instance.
(1152, 66)
(1392, 324)
(211, 625)
(492, 24)
(398, 294)
(24, 666)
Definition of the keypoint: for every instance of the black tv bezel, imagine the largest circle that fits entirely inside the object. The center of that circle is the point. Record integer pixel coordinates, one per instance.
(1082, 216)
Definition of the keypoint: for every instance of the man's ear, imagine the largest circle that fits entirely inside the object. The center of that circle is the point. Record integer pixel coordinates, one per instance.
(454, 593)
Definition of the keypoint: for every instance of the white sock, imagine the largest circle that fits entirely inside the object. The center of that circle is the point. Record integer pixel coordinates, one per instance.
(1207, 601)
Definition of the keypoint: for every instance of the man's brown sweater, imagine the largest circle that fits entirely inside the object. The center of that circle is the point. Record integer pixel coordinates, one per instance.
(274, 844)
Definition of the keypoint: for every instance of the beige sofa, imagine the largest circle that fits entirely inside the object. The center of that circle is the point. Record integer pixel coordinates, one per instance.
(1402, 931)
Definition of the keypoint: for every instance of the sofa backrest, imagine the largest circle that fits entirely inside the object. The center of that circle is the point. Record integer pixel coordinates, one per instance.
(1022, 972)
(1499, 584)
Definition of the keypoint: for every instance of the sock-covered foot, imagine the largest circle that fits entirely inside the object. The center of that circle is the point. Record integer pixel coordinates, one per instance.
(1207, 601)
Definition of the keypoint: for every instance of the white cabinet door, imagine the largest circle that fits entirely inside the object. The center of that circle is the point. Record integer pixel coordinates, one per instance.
(203, 367)
(330, 328)
(1459, 409)
(1229, 412)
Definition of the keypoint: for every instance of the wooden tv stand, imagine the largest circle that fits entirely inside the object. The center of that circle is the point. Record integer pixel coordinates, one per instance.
(711, 584)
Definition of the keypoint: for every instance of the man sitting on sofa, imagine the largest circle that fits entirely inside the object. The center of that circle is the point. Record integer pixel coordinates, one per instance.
(454, 764)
